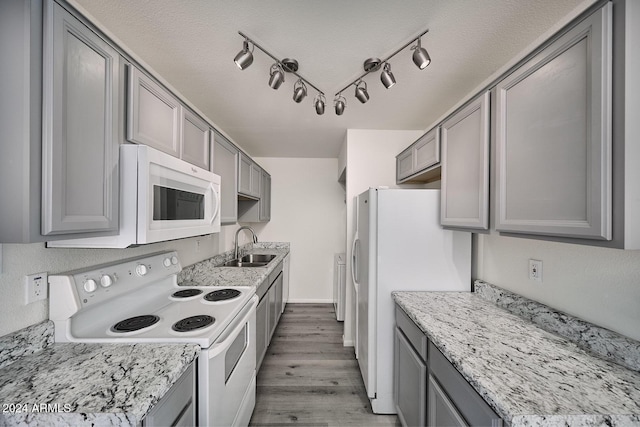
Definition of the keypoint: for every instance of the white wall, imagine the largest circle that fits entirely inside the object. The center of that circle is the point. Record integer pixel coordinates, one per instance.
(371, 162)
(22, 259)
(599, 285)
(307, 210)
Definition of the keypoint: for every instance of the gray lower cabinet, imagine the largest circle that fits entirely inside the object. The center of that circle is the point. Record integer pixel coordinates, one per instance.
(262, 326)
(465, 166)
(442, 412)
(428, 390)
(81, 93)
(553, 139)
(225, 164)
(410, 376)
(177, 407)
(268, 311)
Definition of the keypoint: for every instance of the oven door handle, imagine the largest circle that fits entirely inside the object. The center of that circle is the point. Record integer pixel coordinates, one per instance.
(228, 337)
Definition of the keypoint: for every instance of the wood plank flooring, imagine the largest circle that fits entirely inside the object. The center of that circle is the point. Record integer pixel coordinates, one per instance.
(308, 378)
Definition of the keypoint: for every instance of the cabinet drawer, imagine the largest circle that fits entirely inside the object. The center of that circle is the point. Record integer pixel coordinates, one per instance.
(466, 400)
(416, 337)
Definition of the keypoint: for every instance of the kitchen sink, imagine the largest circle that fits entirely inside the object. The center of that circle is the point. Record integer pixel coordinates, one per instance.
(250, 260)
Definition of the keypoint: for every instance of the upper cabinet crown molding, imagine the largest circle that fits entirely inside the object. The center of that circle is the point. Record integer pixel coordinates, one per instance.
(553, 137)
(465, 166)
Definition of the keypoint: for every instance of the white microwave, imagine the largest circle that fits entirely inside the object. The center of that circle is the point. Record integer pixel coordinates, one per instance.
(161, 198)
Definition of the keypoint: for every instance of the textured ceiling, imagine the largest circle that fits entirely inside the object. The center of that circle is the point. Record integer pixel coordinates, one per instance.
(191, 43)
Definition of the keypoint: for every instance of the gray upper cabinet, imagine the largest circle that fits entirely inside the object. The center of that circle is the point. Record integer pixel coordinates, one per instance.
(265, 199)
(465, 166)
(421, 160)
(153, 114)
(81, 87)
(196, 140)
(249, 177)
(553, 139)
(225, 164)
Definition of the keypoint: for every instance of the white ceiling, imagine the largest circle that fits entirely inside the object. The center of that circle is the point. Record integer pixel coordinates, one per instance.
(191, 44)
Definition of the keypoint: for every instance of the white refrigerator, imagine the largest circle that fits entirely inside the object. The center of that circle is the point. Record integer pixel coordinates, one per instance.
(399, 246)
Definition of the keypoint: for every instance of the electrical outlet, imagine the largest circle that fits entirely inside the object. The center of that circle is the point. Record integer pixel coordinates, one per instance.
(35, 286)
(535, 270)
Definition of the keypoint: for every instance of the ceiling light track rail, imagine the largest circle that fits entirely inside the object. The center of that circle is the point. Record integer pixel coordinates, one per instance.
(371, 66)
(284, 63)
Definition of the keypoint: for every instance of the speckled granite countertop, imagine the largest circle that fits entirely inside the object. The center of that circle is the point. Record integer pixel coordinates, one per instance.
(90, 384)
(208, 273)
(530, 377)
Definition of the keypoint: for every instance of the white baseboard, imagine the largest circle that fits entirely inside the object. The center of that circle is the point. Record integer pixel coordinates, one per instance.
(348, 343)
(309, 301)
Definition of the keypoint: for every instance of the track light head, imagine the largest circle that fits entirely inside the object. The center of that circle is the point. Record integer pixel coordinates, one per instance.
(299, 91)
(245, 57)
(420, 56)
(361, 91)
(339, 103)
(319, 103)
(276, 76)
(386, 77)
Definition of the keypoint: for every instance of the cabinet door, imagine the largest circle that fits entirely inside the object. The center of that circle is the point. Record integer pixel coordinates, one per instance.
(404, 164)
(225, 164)
(285, 280)
(80, 127)
(465, 167)
(262, 330)
(442, 412)
(244, 174)
(273, 317)
(265, 199)
(409, 382)
(553, 137)
(177, 406)
(153, 114)
(256, 180)
(279, 296)
(426, 151)
(196, 141)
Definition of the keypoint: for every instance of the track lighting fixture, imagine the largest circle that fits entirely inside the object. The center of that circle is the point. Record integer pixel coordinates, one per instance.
(287, 65)
(386, 77)
(276, 76)
(299, 91)
(245, 57)
(339, 103)
(420, 56)
(361, 92)
(319, 103)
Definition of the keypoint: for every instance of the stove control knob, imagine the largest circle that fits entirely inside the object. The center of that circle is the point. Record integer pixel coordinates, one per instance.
(141, 270)
(90, 285)
(106, 281)
(174, 260)
(167, 262)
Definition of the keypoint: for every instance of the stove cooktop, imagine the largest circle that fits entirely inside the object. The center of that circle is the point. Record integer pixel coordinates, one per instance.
(139, 301)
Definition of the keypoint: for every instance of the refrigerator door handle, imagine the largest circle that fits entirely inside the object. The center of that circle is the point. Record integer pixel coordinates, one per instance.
(354, 259)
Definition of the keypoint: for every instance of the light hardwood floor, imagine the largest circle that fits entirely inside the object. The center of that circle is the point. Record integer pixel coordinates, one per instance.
(308, 378)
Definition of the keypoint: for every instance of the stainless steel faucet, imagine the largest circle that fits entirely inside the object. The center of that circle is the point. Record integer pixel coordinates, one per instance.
(244, 227)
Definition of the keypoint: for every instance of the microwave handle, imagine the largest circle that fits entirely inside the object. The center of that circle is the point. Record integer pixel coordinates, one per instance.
(216, 198)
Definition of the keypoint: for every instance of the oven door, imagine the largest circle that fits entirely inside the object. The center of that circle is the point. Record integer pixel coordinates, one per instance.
(175, 198)
(227, 373)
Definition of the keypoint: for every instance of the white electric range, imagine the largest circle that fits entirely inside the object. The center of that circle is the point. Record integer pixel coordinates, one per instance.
(138, 300)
